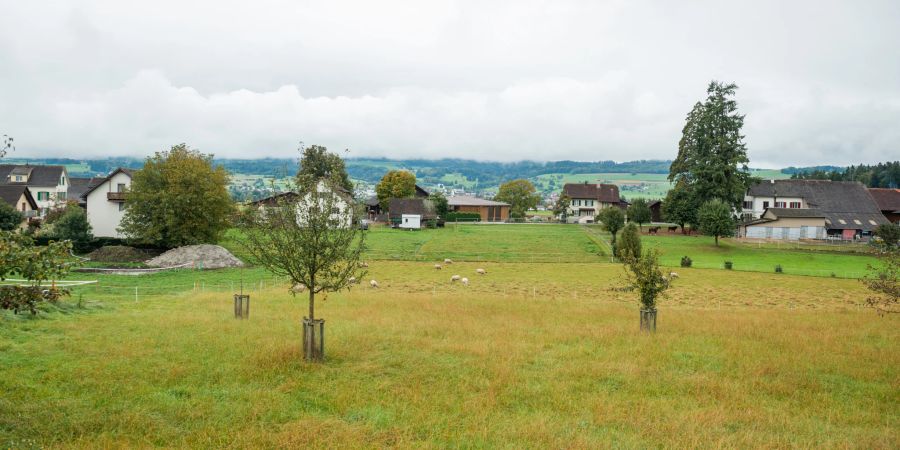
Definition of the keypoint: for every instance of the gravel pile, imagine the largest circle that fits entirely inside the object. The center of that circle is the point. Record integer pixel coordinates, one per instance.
(199, 256)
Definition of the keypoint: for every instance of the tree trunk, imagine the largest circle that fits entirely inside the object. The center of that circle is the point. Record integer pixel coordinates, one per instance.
(312, 302)
(717, 240)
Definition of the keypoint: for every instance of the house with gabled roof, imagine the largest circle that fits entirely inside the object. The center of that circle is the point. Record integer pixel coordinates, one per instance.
(587, 199)
(48, 184)
(810, 209)
(105, 203)
(20, 198)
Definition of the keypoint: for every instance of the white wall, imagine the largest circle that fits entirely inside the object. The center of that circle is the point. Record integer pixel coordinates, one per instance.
(104, 215)
(759, 209)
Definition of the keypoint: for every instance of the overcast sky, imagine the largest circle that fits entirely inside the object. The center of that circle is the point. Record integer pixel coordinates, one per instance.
(819, 80)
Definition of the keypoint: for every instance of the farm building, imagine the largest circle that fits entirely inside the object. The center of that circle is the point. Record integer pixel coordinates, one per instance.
(402, 210)
(78, 186)
(373, 207)
(489, 210)
(888, 201)
(848, 210)
(588, 199)
(787, 223)
(655, 211)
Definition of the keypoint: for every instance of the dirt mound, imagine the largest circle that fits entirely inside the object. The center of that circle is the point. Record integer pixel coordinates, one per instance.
(199, 256)
(121, 253)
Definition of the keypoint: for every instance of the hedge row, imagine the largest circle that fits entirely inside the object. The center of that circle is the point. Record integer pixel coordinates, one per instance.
(94, 244)
(462, 217)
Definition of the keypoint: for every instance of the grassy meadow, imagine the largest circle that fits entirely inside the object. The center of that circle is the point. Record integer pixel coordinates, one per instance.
(529, 356)
(535, 354)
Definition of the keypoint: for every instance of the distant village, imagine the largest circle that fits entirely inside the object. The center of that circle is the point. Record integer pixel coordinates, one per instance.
(772, 209)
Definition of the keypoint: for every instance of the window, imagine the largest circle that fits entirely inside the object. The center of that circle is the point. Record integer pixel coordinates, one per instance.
(781, 204)
(842, 221)
(62, 195)
(23, 206)
(856, 221)
(748, 204)
(62, 180)
(872, 222)
(795, 204)
(18, 178)
(121, 206)
(765, 205)
(121, 187)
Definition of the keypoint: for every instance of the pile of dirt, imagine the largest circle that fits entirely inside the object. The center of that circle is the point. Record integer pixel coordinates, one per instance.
(198, 256)
(120, 254)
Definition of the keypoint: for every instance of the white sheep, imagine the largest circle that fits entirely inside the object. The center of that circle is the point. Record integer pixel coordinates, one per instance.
(373, 283)
(481, 271)
(465, 281)
(352, 280)
(448, 261)
(437, 267)
(454, 278)
(673, 275)
(363, 264)
(298, 288)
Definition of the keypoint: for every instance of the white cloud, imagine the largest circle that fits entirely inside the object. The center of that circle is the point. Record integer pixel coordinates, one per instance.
(484, 80)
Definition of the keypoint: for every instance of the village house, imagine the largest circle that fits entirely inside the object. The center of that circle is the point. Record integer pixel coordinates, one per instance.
(20, 198)
(105, 203)
(48, 184)
(888, 201)
(489, 210)
(586, 200)
(809, 209)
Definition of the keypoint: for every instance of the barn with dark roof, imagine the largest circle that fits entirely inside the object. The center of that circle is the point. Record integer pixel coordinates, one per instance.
(811, 209)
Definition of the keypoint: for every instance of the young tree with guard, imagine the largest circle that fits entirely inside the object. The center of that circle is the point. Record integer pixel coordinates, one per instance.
(309, 238)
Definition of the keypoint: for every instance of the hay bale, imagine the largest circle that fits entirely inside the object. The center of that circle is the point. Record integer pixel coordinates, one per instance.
(205, 256)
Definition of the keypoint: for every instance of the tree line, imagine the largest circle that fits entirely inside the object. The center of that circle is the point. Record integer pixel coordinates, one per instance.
(881, 175)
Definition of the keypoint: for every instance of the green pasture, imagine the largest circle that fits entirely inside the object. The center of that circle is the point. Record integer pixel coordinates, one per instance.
(539, 355)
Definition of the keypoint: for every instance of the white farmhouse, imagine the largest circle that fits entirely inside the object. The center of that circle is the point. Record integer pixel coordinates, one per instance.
(341, 204)
(588, 199)
(48, 184)
(106, 203)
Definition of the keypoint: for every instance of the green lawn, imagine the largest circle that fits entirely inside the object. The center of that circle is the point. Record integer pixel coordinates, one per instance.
(528, 356)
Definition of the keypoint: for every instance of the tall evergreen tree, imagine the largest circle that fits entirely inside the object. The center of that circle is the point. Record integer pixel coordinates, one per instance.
(712, 157)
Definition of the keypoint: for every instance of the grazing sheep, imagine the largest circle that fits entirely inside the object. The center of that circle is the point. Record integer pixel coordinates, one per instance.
(454, 278)
(673, 275)
(352, 280)
(448, 261)
(465, 281)
(437, 267)
(363, 264)
(373, 283)
(481, 271)
(298, 288)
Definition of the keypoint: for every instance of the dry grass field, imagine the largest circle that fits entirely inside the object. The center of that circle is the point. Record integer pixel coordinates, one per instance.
(528, 356)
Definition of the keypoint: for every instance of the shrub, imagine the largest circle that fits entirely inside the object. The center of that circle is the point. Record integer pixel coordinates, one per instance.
(73, 226)
(728, 265)
(778, 269)
(10, 219)
(463, 217)
(686, 261)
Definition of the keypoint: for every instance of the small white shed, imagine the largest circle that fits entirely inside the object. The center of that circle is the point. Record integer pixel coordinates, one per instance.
(411, 221)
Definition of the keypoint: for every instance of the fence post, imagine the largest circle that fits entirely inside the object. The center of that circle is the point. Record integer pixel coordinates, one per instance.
(135, 293)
